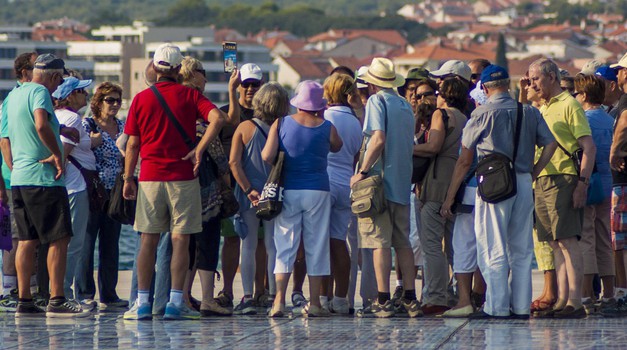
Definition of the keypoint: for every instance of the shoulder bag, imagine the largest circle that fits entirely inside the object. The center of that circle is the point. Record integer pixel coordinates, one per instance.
(367, 195)
(98, 196)
(226, 198)
(120, 209)
(496, 173)
(271, 200)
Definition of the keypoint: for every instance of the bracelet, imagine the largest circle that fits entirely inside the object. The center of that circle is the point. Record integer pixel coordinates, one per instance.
(585, 180)
(248, 191)
(364, 172)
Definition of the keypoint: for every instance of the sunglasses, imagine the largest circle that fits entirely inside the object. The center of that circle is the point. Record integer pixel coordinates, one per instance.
(80, 91)
(475, 76)
(112, 100)
(425, 94)
(255, 84)
(201, 71)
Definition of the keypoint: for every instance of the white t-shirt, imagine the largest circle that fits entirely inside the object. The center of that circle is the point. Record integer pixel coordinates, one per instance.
(74, 181)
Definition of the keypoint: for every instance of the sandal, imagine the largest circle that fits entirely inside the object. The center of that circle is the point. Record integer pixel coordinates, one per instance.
(541, 305)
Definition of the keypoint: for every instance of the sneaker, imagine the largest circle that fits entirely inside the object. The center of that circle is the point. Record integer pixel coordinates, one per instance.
(590, 306)
(28, 309)
(180, 312)
(339, 306)
(8, 303)
(410, 308)
(113, 305)
(618, 309)
(195, 303)
(265, 301)
(248, 307)
(139, 312)
(396, 297)
(213, 309)
(66, 309)
(41, 300)
(315, 311)
(88, 304)
(225, 300)
(377, 310)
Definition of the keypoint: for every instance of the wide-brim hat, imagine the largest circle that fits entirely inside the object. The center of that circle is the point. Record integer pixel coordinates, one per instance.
(381, 73)
(621, 64)
(309, 96)
(70, 84)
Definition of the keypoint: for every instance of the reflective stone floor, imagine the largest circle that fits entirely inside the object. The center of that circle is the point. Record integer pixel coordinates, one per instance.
(109, 331)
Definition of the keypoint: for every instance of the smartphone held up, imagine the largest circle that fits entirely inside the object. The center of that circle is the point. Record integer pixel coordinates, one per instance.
(229, 53)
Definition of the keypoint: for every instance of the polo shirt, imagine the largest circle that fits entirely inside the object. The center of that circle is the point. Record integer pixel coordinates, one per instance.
(567, 121)
(27, 149)
(161, 145)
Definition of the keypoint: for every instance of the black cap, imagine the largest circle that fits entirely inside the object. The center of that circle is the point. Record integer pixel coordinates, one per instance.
(50, 61)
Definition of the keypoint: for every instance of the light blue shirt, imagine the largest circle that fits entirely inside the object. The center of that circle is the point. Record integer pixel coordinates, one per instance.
(27, 149)
(602, 125)
(399, 140)
(341, 164)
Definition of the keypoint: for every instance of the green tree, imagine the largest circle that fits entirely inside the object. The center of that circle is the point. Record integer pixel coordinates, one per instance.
(191, 13)
(501, 48)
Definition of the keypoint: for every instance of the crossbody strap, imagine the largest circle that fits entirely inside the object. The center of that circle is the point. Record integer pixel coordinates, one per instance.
(261, 129)
(362, 151)
(75, 163)
(519, 117)
(168, 112)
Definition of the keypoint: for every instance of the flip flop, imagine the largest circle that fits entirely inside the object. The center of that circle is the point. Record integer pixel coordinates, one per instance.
(541, 305)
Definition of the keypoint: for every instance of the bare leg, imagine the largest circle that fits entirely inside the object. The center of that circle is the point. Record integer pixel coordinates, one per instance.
(574, 266)
(406, 263)
(57, 256)
(146, 259)
(608, 286)
(340, 263)
(314, 290)
(179, 266)
(586, 289)
(382, 258)
(230, 262)
(619, 263)
(562, 276)
(207, 283)
(25, 265)
(479, 286)
(282, 279)
(464, 281)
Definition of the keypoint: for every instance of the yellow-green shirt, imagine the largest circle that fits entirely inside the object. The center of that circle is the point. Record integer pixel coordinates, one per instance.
(567, 121)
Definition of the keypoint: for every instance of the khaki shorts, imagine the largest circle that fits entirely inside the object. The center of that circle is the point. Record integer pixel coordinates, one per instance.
(556, 218)
(172, 206)
(388, 229)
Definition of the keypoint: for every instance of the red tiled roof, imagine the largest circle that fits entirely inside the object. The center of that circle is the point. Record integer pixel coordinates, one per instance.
(615, 46)
(350, 62)
(393, 37)
(550, 28)
(449, 51)
(518, 67)
(57, 35)
(306, 67)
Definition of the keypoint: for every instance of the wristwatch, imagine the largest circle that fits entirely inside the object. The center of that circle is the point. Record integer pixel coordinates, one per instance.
(126, 178)
(248, 191)
(585, 180)
(364, 172)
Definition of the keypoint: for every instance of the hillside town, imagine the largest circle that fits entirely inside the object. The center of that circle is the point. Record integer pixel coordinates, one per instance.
(120, 53)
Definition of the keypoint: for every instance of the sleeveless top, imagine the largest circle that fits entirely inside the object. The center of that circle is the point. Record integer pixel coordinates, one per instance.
(255, 168)
(306, 150)
(438, 177)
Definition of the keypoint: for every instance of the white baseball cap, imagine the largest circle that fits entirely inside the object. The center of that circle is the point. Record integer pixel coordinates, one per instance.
(167, 56)
(250, 71)
(453, 67)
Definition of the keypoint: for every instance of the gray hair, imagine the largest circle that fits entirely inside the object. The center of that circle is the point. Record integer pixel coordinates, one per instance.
(547, 66)
(271, 102)
(47, 72)
(497, 83)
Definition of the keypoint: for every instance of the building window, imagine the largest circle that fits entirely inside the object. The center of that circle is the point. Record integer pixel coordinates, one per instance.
(6, 52)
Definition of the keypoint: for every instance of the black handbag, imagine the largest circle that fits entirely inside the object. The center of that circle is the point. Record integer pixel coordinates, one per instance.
(120, 209)
(496, 173)
(271, 199)
(98, 196)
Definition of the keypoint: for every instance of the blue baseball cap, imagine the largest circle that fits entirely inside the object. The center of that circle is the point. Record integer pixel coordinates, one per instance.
(493, 73)
(607, 73)
(50, 61)
(69, 84)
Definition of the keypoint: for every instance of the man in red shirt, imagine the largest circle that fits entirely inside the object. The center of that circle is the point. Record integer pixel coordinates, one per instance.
(168, 195)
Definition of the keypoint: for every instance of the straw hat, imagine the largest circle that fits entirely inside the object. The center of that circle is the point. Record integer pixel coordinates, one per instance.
(381, 73)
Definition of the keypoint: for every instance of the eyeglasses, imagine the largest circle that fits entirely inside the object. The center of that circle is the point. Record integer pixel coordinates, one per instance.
(111, 100)
(575, 93)
(425, 94)
(475, 76)
(80, 91)
(254, 84)
(201, 71)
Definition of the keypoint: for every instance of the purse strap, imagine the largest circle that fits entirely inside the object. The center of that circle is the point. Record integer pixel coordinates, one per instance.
(519, 117)
(261, 129)
(168, 112)
(362, 151)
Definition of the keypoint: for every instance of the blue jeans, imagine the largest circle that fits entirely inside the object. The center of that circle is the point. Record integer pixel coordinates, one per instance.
(79, 211)
(160, 286)
(107, 231)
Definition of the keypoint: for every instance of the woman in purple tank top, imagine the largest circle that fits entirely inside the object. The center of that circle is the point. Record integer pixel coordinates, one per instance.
(306, 138)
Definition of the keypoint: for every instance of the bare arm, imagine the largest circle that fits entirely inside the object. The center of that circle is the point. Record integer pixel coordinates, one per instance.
(464, 162)
(270, 150)
(376, 144)
(545, 158)
(233, 116)
(67, 148)
(235, 163)
(617, 153)
(336, 140)
(587, 165)
(216, 120)
(5, 145)
(48, 138)
(436, 137)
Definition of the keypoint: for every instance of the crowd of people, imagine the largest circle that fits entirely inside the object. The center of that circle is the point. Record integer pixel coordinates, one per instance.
(418, 144)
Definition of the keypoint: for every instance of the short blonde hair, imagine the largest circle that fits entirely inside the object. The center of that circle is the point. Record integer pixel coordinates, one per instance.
(337, 87)
(271, 102)
(188, 66)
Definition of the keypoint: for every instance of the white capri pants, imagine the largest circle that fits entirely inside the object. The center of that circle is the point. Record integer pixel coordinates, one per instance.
(306, 213)
(464, 244)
